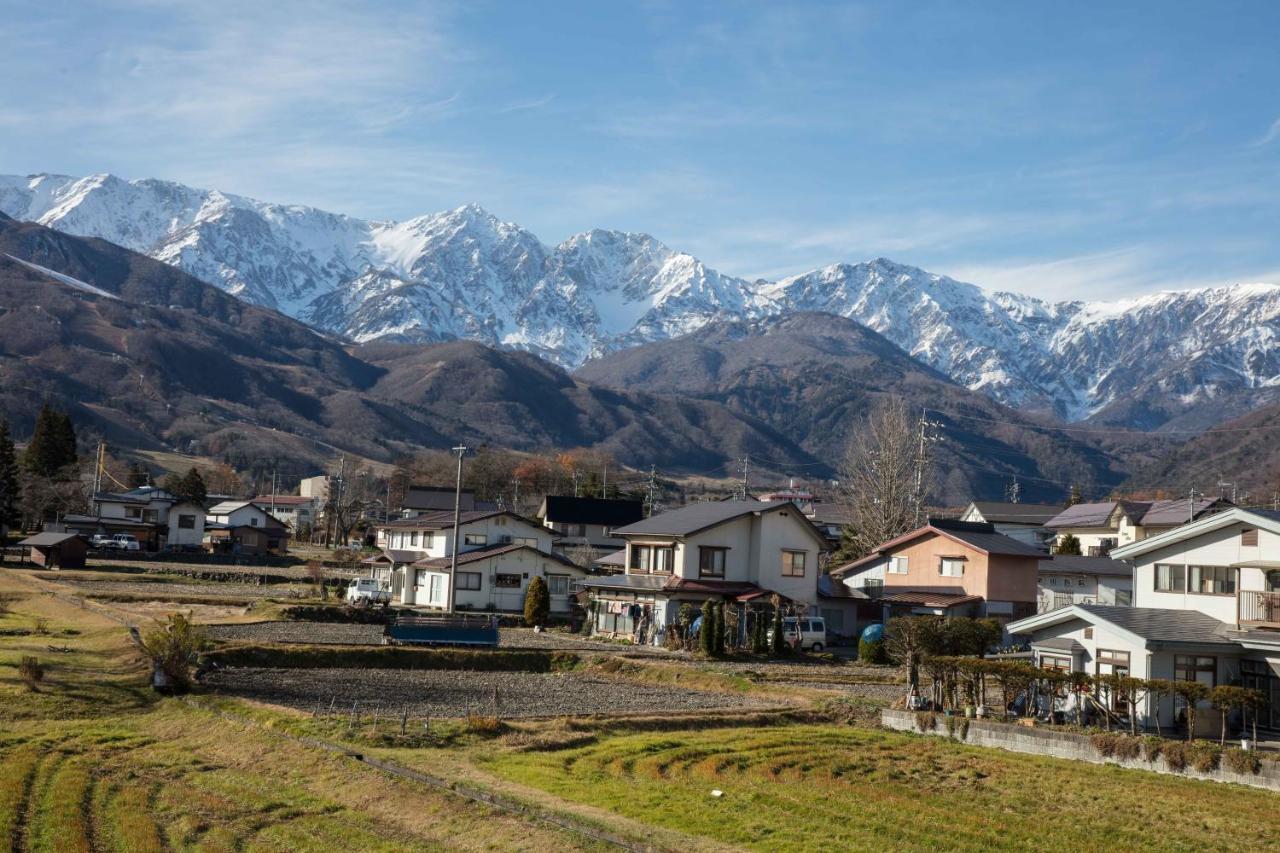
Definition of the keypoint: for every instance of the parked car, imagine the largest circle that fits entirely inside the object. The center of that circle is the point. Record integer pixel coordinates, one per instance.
(101, 540)
(364, 591)
(125, 542)
(811, 630)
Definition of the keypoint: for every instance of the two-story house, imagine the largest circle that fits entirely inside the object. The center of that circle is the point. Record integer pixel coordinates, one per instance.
(297, 512)
(588, 523)
(1024, 522)
(157, 518)
(733, 551)
(950, 568)
(499, 552)
(1206, 607)
(243, 528)
(1104, 525)
(1067, 579)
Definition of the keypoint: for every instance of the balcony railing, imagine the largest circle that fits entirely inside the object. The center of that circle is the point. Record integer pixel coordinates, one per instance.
(1259, 609)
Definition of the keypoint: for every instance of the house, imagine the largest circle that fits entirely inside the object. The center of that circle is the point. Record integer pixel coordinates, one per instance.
(1067, 579)
(951, 568)
(1104, 525)
(739, 552)
(147, 513)
(499, 552)
(1206, 607)
(242, 528)
(1024, 522)
(316, 488)
(298, 512)
(57, 550)
(588, 522)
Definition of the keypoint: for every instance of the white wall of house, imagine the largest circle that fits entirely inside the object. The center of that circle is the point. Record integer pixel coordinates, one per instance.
(1090, 537)
(247, 515)
(868, 575)
(502, 581)
(1058, 589)
(1215, 548)
(471, 535)
(179, 533)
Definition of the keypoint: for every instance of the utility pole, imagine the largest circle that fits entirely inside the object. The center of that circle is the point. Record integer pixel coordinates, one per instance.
(515, 492)
(275, 472)
(574, 475)
(461, 450)
(651, 496)
(604, 481)
(1191, 504)
(744, 465)
(922, 460)
(1014, 491)
(335, 496)
(97, 475)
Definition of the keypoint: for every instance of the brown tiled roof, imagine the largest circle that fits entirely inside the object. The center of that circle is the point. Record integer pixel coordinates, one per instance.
(928, 599)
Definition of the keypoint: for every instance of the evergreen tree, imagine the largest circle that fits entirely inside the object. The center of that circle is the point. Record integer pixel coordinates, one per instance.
(537, 602)
(9, 482)
(47, 452)
(707, 631)
(188, 487)
(1068, 544)
(720, 626)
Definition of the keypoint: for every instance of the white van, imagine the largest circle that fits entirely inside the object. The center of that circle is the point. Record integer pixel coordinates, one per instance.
(812, 631)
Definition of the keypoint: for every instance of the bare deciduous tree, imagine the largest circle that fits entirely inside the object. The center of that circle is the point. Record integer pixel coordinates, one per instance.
(878, 478)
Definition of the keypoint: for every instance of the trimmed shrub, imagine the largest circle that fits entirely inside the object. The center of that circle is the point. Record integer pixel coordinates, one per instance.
(1104, 743)
(537, 602)
(926, 721)
(1152, 746)
(872, 651)
(1175, 755)
(1239, 761)
(1204, 756)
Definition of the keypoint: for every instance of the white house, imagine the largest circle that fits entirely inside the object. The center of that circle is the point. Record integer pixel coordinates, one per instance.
(155, 516)
(185, 526)
(1024, 522)
(734, 551)
(1105, 525)
(1206, 606)
(499, 552)
(297, 511)
(1065, 579)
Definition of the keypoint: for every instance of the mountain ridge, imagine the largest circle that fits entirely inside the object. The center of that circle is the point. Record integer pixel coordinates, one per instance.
(1169, 360)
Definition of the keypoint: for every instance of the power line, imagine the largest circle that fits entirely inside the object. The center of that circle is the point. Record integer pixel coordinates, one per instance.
(1102, 430)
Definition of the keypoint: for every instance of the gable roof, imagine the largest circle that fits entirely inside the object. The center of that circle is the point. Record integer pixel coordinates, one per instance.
(477, 554)
(1104, 566)
(1153, 626)
(1180, 511)
(975, 534)
(228, 507)
(437, 498)
(46, 540)
(443, 519)
(1010, 513)
(1267, 519)
(696, 517)
(1097, 514)
(609, 512)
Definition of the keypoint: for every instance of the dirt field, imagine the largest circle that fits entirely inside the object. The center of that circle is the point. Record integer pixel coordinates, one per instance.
(444, 693)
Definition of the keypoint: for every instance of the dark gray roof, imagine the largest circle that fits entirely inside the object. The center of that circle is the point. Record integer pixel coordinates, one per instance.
(1058, 644)
(1171, 513)
(443, 519)
(437, 497)
(48, 539)
(627, 583)
(1086, 565)
(1157, 625)
(570, 510)
(1007, 513)
(1096, 514)
(699, 516)
(992, 543)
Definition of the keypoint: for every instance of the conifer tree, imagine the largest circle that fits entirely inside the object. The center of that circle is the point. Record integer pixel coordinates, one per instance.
(9, 481)
(53, 444)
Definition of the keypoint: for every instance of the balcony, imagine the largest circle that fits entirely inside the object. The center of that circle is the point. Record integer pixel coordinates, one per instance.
(1257, 609)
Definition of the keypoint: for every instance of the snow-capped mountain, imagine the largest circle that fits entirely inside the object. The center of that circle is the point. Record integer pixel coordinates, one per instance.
(465, 274)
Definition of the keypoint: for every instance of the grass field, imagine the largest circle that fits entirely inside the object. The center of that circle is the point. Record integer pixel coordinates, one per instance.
(835, 787)
(95, 761)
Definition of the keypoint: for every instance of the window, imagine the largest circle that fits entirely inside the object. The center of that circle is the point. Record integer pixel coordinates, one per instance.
(897, 565)
(1169, 578)
(133, 512)
(1124, 598)
(474, 539)
(1248, 538)
(413, 539)
(1110, 662)
(151, 516)
(558, 584)
(187, 522)
(1196, 668)
(469, 580)
(1212, 580)
(526, 540)
(1088, 633)
(653, 558)
(793, 564)
(951, 567)
(873, 583)
(506, 581)
(436, 595)
(253, 521)
(1080, 582)
(711, 562)
(1057, 663)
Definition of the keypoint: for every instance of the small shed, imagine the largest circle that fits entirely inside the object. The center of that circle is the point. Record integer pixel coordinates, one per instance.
(57, 550)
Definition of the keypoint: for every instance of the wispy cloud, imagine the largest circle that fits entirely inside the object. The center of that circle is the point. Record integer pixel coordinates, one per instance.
(1272, 134)
(527, 104)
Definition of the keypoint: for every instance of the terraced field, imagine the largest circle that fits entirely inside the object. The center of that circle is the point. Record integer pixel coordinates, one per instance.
(829, 787)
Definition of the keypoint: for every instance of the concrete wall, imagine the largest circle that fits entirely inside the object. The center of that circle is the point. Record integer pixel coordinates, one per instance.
(1070, 745)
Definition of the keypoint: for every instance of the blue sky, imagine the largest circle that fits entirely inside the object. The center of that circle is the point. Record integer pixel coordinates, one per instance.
(1067, 150)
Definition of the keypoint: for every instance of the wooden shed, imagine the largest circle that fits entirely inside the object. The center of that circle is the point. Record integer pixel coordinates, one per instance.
(57, 550)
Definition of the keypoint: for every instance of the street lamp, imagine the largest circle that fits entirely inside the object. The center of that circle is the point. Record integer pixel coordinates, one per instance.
(462, 450)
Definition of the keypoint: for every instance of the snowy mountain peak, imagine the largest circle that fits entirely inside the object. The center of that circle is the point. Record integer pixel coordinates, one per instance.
(465, 273)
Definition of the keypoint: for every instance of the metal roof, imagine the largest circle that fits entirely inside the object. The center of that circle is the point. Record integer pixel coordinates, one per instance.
(1158, 625)
(617, 558)
(1009, 513)
(44, 540)
(929, 599)
(1058, 644)
(609, 512)
(477, 554)
(443, 519)
(696, 517)
(1179, 511)
(628, 583)
(1085, 566)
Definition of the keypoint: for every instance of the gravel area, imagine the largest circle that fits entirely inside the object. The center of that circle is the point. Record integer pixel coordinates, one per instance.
(448, 693)
(158, 591)
(527, 638)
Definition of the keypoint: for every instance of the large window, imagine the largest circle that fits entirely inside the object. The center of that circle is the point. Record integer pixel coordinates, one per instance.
(1170, 578)
(1057, 663)
(711, 562)
(652, 558)
(1200, 668)
(469, 581)
(474, 539)
(1212, 580)
(897, 565)
(558, 584)
(1110, 662)
(793, 564)
(951, 567)
(187, 522)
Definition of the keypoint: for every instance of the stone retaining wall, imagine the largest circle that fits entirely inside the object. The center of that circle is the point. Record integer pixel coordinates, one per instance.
(1071, 745)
